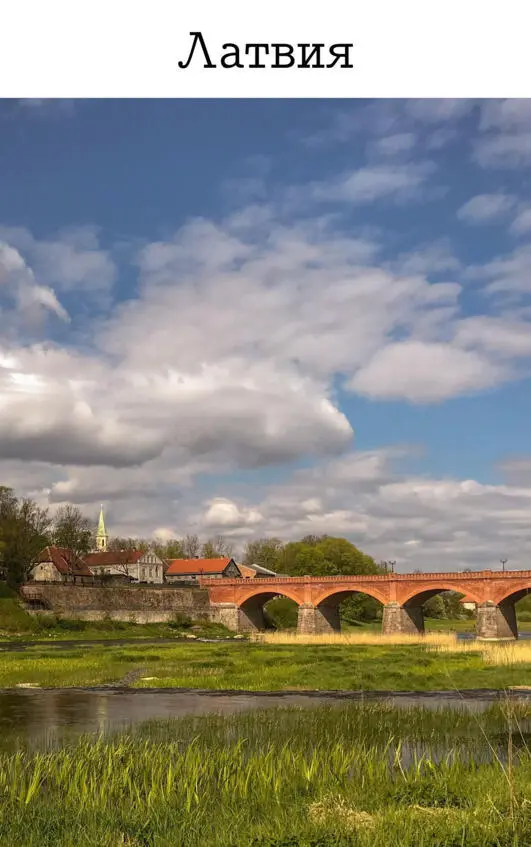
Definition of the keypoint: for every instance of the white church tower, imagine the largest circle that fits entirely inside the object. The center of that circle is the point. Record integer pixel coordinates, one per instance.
(101, 535)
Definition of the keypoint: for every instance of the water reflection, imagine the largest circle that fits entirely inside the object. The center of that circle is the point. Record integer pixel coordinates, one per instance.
(31, 718)
(524, 635)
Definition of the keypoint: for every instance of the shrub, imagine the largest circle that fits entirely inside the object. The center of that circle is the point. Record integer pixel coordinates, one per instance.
(46, 622)
(523, 616)
(71, 624)
(180, 621)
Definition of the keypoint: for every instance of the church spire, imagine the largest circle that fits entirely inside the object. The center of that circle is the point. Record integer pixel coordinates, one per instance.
(101, 535)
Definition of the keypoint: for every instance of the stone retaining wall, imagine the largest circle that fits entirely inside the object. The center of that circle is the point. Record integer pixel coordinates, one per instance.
(123, 603)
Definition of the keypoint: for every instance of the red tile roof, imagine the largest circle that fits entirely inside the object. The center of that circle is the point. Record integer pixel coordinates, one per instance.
(196, 566)
(64, 560)
(114, 557)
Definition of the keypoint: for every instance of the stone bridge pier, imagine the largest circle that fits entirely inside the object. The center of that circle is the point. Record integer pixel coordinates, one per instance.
(496, 622)
(397, 619)
(239, 619)
(318, 620)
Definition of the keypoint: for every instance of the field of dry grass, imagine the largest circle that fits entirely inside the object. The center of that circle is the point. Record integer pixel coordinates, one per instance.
(493, 653)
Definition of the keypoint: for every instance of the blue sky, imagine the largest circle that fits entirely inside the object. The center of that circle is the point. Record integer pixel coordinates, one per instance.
(273, 317)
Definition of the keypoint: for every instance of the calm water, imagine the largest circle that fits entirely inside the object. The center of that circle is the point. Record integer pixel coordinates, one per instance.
(37, 718)
(50, 716)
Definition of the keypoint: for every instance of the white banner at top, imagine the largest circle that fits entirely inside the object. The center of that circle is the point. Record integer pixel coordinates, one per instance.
(235, 48)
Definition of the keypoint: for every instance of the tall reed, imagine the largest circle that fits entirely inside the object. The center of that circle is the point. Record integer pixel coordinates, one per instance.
(331, 776)
(494, 653)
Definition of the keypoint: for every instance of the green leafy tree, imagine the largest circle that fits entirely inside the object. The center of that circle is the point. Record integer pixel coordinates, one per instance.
(325, 556)
(435, 607)
(329, 556)
(25, 529)
(453, 606)
(265, 552)
(172, 549)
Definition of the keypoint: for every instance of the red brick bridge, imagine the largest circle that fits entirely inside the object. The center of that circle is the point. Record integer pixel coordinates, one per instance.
(240, 602)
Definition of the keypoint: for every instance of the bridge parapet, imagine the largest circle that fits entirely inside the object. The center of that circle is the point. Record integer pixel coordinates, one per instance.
(392, 577)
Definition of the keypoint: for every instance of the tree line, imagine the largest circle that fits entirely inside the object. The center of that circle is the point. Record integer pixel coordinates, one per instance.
(26, 528)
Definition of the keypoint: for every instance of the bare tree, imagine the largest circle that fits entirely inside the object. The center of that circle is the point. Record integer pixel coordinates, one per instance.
(191, 546)
(123, 544)
(73, 530)
(120, 565)
(217, 548)
(123, 562)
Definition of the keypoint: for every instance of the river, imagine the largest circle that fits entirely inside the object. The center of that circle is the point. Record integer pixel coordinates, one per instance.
(43, 717)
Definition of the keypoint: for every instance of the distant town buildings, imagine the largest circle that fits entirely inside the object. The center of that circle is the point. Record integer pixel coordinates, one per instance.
(57, 564)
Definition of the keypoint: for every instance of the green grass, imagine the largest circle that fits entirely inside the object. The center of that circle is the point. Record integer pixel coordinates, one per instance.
(13, 618)
(260, 667)
(60, 629)
(345, 776)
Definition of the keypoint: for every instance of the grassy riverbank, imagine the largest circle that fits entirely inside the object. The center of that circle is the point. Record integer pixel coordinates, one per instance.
(16, 624)
(344, 776)
(433, 664)
(50, 629)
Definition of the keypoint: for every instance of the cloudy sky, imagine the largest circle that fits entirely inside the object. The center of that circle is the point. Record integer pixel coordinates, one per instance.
(273, 318)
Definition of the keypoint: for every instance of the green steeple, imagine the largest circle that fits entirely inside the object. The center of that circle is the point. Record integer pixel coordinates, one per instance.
(101, 535)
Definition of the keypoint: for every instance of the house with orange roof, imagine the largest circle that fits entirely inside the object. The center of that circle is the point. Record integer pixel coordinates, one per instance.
(190, 570)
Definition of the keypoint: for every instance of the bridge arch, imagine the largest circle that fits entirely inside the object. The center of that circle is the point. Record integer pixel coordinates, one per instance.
(327, 616)
(260, 592)
(335, 594)
(419, 594)
(514, 593)
(252, 604)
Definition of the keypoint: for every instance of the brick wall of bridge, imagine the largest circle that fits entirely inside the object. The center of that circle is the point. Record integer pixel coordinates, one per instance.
(478, 587)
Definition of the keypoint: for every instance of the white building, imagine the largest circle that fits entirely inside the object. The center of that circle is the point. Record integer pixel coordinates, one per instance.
(139, 565)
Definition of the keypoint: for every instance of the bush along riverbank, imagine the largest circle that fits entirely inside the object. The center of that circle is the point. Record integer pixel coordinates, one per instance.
(342, 776)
